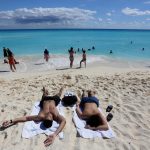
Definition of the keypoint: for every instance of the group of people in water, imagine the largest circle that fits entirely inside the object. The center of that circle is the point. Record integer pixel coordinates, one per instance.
(86, 108)
(9, 57)
(71, 52)
(71, 57)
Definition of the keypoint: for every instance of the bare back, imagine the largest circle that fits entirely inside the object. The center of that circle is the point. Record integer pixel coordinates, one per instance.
(90, 109)
(49, 108)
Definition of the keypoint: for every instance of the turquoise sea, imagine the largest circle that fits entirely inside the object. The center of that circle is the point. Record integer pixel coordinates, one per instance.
(58, 41)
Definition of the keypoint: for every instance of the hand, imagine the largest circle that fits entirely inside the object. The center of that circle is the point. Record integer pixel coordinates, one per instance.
(89, 127)
(50, 139)
(6, 123)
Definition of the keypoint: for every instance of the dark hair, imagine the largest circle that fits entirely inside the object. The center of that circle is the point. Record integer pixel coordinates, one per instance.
(94, 121)
(10, 54)
(46, 51)
(84, 51)
(47, 123)
(69, 100)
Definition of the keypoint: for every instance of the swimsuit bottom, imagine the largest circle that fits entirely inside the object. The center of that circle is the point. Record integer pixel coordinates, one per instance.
(91, 99)
(71, 58)
(11, 60)
(55, 98)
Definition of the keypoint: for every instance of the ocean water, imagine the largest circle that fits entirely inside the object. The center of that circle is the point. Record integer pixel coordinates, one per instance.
(26, 42)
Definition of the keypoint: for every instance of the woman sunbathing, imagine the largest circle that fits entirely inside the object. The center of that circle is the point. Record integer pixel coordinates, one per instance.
(88, 110)
(47, 114)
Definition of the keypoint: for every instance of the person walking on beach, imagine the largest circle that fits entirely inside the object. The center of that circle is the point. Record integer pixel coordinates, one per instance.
(48, 113)
(46, 55)
(71, 56)
(83, 58)
(11, 60)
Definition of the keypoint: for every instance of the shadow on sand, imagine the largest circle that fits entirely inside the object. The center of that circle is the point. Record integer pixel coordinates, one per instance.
(3, 128)
(1, 71)
(63, 69)
(39, 64)
(67, 68)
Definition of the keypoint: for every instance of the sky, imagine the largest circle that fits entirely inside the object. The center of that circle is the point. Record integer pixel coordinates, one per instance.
(95, 14)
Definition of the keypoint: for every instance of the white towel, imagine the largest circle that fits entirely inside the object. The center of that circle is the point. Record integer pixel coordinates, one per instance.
(31, 128)
(87, 133)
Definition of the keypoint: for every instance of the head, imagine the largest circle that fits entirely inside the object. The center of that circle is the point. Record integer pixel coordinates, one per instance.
(84, 51)
(94, 121)
(48, 121)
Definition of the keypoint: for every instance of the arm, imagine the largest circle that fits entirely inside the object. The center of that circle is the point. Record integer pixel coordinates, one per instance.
(101, 127)
(104, 125)
(50, 139)
(79, 112)
(61, 121)
(22, 119)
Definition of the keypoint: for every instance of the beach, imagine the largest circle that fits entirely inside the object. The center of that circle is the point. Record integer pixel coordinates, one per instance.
(91, 54)
(126, 87)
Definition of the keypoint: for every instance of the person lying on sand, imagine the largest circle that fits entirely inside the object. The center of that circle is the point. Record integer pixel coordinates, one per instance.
(47, 114)
(88, 110)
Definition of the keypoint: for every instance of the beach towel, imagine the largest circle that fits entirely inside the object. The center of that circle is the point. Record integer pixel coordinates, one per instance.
(31, 128)
(87, 133)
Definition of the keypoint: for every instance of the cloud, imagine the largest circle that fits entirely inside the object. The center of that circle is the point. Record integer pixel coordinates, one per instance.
(108, 19)
(147, 2)
(100, 19)
(48, 15)
(109, 14)
(148, 19)
(135, 12)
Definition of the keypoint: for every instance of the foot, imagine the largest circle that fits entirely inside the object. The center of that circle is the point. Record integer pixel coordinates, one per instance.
(61, 92)
(83, 93)
(45, 91)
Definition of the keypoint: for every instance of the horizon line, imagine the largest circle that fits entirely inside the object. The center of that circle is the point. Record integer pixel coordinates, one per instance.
(73, 29)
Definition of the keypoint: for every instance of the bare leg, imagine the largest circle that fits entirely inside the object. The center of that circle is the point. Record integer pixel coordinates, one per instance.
(11, 68)
(78, 100)
(45, 92)
(61, 92)
(91, 93)
(83, 93)
(80, 63)
(71, 64)
(79, 94)
(14, 66)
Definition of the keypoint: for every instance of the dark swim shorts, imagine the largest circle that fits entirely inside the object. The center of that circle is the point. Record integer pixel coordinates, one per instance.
(55, 98)
(91, 99)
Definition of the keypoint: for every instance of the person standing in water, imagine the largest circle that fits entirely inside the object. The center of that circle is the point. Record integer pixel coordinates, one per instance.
(11, 60)
(46, 55)
(83, 58)
(71, 56)
(110, 52)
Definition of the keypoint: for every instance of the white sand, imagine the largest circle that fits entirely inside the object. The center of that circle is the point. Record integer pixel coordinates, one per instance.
(126, 88)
